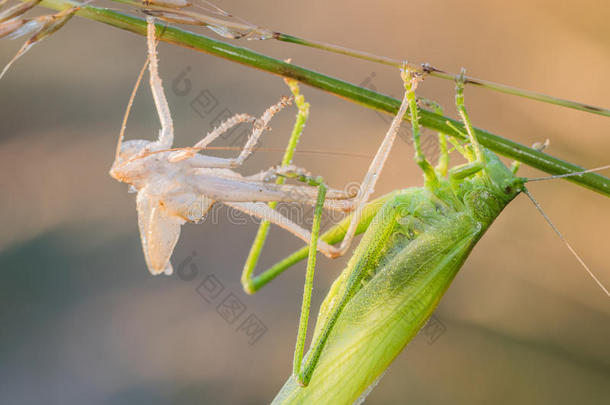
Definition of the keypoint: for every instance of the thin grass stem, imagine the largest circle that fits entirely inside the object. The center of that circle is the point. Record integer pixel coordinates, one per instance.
(343, 89)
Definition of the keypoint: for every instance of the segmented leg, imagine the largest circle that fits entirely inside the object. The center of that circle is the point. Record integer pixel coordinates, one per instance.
(280, 173)
(475, 156)
(332, 236)
(247, 280)
(308, 288)
(411, 79)
(231, 187)
(370, 179)
(187, 153)
(259, 126)
(262, 211)
(166, 134)
(442, 166)
(459, 102)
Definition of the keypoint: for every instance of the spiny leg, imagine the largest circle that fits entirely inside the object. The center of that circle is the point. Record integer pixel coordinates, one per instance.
(370, 179)
(459, 102)
(411, 79)
(308, 288)
(247, 281)
(311, 262)
(230, 187)
(262, 211)
(166, 134)
(442, 166)
(476, 159)
(457, 145)
(211, 137)
(276, 172)
(332, 236)
(260, 125)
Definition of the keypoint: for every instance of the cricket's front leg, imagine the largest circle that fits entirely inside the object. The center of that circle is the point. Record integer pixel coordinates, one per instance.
(166, 134)
(259, 126)
(187, 153)
(476, 162)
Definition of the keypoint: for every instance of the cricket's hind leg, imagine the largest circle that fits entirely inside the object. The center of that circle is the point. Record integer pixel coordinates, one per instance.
(266, 213)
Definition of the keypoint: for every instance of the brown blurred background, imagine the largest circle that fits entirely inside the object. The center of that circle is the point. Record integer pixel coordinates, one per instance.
(84, 322)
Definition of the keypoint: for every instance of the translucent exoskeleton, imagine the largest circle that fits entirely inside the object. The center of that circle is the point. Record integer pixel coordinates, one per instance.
(170, 182)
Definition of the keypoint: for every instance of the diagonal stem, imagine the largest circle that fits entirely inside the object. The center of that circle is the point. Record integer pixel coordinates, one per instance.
(252, 31)
(432, 71)
(349, 91)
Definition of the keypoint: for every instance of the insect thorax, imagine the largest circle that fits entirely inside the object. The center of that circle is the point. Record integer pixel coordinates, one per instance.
(467, 207)
(490, 191)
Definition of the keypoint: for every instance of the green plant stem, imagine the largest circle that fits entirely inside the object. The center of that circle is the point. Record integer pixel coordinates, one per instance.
(349, 91)
(502, 88)
(244, 27)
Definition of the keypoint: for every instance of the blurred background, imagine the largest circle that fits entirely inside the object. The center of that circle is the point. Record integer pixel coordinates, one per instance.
(84, 322)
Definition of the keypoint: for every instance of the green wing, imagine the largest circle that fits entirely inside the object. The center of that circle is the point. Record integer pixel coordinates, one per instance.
(395, 279)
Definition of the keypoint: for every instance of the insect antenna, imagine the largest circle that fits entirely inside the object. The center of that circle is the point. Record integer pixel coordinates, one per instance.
(128, 109)
(564, 240)
(300, 152)
(213, 9)
(239, 148)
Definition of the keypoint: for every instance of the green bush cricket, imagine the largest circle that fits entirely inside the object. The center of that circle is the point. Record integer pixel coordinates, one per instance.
(416, 240)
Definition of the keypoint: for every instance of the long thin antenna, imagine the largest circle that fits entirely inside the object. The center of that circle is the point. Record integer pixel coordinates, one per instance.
(128, 109)
(301, 151)
(539, 208)
(559, 176)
